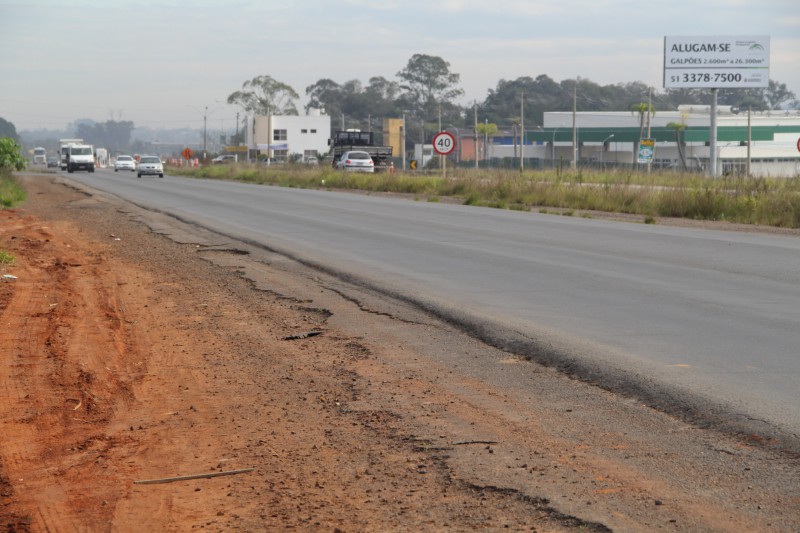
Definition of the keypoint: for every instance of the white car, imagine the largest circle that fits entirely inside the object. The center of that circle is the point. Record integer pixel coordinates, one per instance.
(124, 162)
(150, 165)
(356, 161)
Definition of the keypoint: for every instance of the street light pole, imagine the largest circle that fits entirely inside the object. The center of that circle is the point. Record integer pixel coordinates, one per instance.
(205, 113)
(205, 137)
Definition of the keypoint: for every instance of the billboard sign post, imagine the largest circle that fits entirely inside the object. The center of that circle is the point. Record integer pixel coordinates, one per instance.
(716, 62)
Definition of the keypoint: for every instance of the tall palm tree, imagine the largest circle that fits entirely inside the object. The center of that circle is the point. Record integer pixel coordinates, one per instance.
(642, 109)
(679, 127)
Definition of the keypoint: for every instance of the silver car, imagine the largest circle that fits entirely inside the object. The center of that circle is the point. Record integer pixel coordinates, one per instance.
(150, 165)
(124, 162)
(356, 161)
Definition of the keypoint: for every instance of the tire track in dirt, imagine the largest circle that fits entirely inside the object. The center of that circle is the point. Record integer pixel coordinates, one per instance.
(47, 324)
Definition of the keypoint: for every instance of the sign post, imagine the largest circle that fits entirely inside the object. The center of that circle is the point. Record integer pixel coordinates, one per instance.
(647, 149)
(443, 144)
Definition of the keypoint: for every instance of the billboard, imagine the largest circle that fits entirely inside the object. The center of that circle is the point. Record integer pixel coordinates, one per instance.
(720, 62)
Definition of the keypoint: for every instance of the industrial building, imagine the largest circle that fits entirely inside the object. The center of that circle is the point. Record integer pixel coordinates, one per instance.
(611, 139)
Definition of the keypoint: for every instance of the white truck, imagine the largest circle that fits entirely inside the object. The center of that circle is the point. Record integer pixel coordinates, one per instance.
(63, 150)
(39, 156)
(80, 157)
(101, 157)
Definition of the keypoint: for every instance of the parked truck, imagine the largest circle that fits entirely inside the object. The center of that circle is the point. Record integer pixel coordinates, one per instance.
(345, 141)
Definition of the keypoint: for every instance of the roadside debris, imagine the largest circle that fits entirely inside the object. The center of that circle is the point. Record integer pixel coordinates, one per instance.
(303, 335)
(193, 476)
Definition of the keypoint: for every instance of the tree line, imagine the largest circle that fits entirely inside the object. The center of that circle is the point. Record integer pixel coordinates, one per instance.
(426, 89)
(426, 92)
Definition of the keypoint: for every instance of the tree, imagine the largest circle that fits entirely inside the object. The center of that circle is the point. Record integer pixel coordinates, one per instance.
(7, 129)
(112, 134)
(488, 130)
(353, 101)
(325, 94)
(777, 94)
(10, 155)
(679, 127)
(264, 95)
(380, 97)
(642, 108)
(428, 84)
(541, 94)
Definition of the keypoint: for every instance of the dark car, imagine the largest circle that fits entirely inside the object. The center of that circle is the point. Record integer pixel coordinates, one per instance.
(53, 162)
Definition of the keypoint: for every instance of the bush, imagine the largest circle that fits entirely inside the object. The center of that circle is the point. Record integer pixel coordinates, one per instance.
(10, 156)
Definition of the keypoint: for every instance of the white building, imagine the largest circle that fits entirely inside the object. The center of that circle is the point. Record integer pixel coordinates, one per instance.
(612, 137)
(284, 136)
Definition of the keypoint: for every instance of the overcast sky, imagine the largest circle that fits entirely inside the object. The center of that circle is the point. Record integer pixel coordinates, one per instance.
(161, 63)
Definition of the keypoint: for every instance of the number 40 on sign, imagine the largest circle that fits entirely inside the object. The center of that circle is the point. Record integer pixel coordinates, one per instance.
(444, 143)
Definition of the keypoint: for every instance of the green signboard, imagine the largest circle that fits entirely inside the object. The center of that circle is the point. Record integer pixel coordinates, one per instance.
(647, 148)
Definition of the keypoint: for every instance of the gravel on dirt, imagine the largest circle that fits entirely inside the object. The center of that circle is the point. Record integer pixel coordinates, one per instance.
(135, 348)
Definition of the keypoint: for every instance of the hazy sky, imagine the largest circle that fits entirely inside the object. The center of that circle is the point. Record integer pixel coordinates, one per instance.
(161, 63)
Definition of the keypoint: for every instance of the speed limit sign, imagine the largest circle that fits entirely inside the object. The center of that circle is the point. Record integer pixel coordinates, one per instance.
(444, 143)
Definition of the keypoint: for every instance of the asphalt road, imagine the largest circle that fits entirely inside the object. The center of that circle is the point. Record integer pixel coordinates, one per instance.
(700, 322)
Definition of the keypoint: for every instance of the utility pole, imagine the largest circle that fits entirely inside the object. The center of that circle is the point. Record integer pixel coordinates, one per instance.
(712, 140)
(521, 132)
(205, 119)
(403, 141)
(475, 135)
(269, 133)
(485, 139)
(575, 125)
(749, 139)
(649, 107)
(441, 156)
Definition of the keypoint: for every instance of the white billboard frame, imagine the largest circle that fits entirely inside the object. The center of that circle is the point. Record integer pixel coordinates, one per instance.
(716, 62)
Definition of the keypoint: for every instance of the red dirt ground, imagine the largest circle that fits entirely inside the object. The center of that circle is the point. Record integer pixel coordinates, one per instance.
(126, 356)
